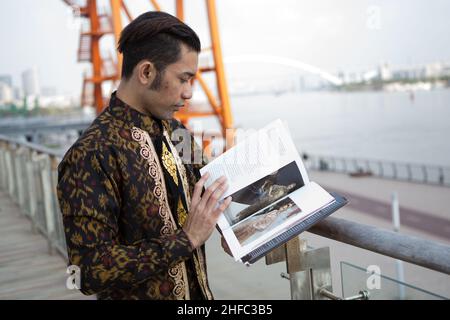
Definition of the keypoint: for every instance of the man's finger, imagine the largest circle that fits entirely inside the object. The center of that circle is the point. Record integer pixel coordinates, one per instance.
(220, 209)
(198, 189)
(210, 190)
(215, 196)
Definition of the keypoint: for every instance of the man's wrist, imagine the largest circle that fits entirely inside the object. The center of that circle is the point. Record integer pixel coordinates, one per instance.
(191, 241)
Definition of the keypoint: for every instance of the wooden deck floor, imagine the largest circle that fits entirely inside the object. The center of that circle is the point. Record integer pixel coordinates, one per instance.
(27, 270)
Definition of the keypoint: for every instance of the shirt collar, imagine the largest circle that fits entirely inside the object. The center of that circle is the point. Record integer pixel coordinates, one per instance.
(130, 116)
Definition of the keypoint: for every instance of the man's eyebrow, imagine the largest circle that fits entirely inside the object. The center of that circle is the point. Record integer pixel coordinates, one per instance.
(190, 74)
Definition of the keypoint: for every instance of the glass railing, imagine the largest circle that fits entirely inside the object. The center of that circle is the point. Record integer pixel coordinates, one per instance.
(380, 287)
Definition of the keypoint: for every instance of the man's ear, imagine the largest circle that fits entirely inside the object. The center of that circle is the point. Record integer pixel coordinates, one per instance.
(146, 72)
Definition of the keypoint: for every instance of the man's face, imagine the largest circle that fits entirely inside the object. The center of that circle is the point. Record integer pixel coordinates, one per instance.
(175, 87)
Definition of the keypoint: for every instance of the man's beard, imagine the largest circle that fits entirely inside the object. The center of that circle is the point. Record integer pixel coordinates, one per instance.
(157, 82)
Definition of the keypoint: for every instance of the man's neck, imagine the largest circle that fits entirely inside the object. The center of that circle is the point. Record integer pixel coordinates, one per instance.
(129, 96)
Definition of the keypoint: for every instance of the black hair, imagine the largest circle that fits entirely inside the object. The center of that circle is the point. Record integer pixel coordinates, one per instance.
(157, 37)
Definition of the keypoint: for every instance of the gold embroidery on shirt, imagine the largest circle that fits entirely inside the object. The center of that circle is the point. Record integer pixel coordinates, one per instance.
(199, 263)
(199, 260)
(180, 167)
(181, 213)
(169, 163)
(178, 273)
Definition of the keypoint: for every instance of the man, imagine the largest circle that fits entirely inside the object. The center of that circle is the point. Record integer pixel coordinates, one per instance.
(134, 214)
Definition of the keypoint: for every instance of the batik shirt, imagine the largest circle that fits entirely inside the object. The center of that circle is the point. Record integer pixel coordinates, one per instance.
(124, 194)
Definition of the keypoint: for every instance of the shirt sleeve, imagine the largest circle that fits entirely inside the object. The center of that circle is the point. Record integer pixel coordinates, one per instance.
(90, 201)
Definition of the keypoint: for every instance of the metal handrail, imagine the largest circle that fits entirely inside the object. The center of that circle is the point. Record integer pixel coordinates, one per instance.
(32, 146)
(36, 165)
(425, 253)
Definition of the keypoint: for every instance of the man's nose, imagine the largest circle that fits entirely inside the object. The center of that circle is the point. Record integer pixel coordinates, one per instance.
(187, 91)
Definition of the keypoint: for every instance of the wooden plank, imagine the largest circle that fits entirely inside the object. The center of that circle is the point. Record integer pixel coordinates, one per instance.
(293, 255)
(276, 255)
(27, 271)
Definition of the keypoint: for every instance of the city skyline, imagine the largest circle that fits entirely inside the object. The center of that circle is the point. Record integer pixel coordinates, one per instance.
(427, 76)
(396, 32)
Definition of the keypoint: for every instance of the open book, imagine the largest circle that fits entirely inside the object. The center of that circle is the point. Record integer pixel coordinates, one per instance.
(272, 197)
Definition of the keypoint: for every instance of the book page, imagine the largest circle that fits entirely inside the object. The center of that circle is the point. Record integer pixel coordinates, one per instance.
(273, 220)
(260, 170)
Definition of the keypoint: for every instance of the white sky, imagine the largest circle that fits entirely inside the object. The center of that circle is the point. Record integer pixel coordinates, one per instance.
(347, 35)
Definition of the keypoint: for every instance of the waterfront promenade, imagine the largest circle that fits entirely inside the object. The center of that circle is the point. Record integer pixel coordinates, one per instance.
(28, 271)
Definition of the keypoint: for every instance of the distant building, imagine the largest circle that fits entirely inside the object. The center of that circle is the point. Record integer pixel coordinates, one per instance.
(6, 79)
(384, 72)
(6, 93)
(301, 83)
(49, 91)
(354, 77)
(434, 70)
(18, 93)
(370, 75)
(30, 82)
(409, 73)
(446, 71)
(57, 101)
(342, 76)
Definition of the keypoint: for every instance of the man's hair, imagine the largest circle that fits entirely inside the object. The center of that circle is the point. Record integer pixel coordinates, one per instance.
(157, 37)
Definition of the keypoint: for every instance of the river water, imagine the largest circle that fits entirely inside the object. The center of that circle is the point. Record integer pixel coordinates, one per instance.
(369, 125)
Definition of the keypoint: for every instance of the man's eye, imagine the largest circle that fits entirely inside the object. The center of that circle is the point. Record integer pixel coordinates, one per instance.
(184, 80)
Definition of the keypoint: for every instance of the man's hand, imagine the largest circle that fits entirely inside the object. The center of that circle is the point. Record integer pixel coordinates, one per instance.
(204, 212)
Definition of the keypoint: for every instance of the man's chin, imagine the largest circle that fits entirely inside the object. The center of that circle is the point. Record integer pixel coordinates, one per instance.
(167, 116)
(172, 113)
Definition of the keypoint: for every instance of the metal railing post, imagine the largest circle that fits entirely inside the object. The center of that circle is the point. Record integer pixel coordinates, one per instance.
(394, 170)
(425, 175)
(344, 165)
(309, 270)
(48, 201)
(10, 172)
(20, 174)
(2, 167)
(441, 176)
(32, 190)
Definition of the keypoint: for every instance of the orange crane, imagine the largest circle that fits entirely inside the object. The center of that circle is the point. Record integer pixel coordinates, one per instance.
(107, 69)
